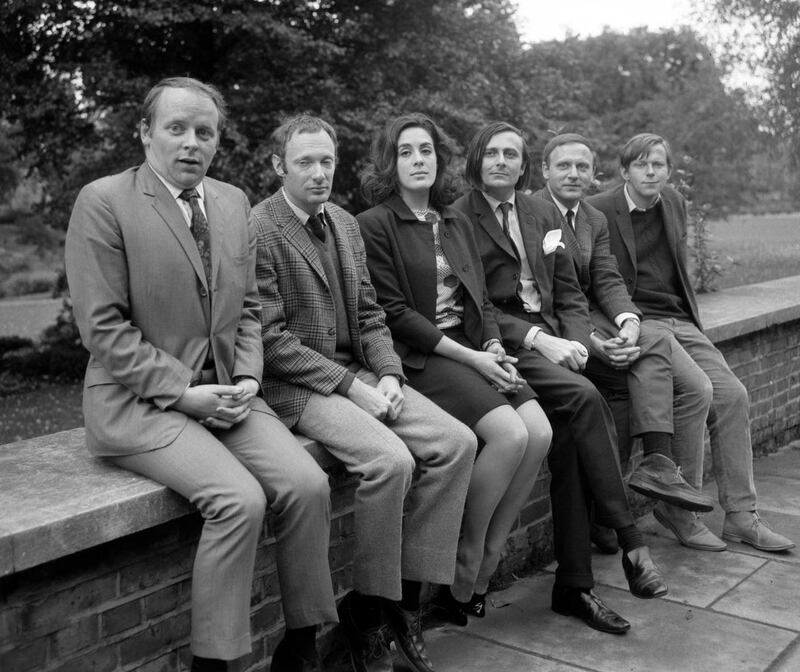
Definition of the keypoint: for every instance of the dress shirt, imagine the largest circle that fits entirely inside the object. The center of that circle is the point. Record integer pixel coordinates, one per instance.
(186, 209)
(302, 215)
(529, 292)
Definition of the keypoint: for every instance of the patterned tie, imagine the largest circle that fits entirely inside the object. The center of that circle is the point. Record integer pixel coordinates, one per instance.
(199, 230)
(505, 207)
(317, 225)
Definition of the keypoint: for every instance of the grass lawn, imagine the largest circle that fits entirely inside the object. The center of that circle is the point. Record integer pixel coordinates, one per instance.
(750, 248)
(755, 248)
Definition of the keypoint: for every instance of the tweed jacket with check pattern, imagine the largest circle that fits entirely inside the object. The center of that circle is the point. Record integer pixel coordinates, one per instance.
(297, 308)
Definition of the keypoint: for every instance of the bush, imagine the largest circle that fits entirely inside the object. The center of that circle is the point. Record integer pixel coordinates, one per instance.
(28, 282)
(9, 343)
(61, 356)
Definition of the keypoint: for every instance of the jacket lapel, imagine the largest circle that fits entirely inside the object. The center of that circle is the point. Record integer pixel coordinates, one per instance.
(487, 220)
(169, 211)
(297, 236)
(532, 239)
(625, 225)
(350, 280)
(216, 226)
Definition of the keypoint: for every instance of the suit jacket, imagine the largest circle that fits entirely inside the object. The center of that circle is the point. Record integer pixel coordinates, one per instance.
(298, 311)
(142, 304)
(564, 310)
(595, 266)
(402, 261)
(614, 206)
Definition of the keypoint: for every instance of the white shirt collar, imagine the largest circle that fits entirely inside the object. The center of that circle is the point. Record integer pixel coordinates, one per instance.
(563, 208)
(632, 204)
(176, 191)
(494, 203)
(302, 215)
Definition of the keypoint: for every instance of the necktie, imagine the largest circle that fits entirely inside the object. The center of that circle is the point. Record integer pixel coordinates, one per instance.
(317, 225)
(505, 207)
(570, 219)
(199, 230)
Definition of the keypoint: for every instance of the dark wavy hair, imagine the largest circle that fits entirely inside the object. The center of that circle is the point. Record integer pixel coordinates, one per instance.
(477, 147)
(639, 146)
(379, 178)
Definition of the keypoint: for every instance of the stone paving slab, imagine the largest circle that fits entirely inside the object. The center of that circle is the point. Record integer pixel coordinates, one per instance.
(694, 578)
(769, 595)
(665, 637)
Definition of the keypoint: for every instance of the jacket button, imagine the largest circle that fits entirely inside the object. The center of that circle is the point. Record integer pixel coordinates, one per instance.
(203, 291)
(331, 331)
(515, 276)
(446, 234)
(465, 267)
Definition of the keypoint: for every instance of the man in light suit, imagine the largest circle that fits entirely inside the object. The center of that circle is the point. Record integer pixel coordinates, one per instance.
(622, 347)
(647, 222)
(161, 267)
(544, 318)
(331, 371)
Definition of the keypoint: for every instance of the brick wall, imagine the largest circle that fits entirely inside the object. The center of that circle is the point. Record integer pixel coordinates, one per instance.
(124, 605)
(768, 363)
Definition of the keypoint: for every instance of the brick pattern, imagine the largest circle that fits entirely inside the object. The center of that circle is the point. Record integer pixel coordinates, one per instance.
(124, 606)
(768, 363)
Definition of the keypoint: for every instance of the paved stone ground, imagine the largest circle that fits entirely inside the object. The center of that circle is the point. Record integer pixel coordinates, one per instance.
(735, 611)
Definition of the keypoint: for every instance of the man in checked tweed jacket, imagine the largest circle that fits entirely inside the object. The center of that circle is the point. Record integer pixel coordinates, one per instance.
(331, 373)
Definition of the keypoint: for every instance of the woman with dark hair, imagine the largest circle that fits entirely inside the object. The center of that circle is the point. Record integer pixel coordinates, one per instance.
(427, 271)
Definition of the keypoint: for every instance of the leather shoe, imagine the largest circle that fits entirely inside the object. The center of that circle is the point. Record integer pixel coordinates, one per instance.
(687, 528)
(286, 660)
(748, 528)
(604, 538)
(584, 604)
(453, 610)
(406, 629)
(369, 647)
(644, 578)
(659, 477)
(477, 605)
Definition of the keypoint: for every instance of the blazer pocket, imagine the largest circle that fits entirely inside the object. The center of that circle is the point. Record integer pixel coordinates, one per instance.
(243, 258)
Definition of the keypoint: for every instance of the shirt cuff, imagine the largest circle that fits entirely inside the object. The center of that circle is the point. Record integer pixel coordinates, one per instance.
(344, 387)
(620, 319)
(490, 343)
(527, 343)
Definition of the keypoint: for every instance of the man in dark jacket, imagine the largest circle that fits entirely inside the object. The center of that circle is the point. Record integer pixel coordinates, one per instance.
(647, 222)
(544, 319)
(623, 350)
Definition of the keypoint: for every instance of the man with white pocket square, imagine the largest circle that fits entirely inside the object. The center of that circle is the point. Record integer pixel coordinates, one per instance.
(544, 319)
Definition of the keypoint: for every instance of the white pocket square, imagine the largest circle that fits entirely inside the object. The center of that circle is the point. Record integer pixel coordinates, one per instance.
(552, 241)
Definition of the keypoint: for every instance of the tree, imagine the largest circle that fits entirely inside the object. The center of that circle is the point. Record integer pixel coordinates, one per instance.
(75, 71)
(776, 25)
(615, 85)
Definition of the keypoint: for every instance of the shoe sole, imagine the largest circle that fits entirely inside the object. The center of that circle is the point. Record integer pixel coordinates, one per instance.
(727, 536)
(649, 490)
(666, 522)
(608, 631)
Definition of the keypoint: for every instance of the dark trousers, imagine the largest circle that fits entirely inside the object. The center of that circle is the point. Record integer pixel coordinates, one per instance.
(583, 463)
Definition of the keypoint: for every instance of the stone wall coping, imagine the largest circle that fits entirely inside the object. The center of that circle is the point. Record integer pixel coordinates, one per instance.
(739, 311)
(57, 499)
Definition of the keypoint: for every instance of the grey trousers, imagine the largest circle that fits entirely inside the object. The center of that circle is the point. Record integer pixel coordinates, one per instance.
(699, 367)
(231, 476)
(420, 545)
